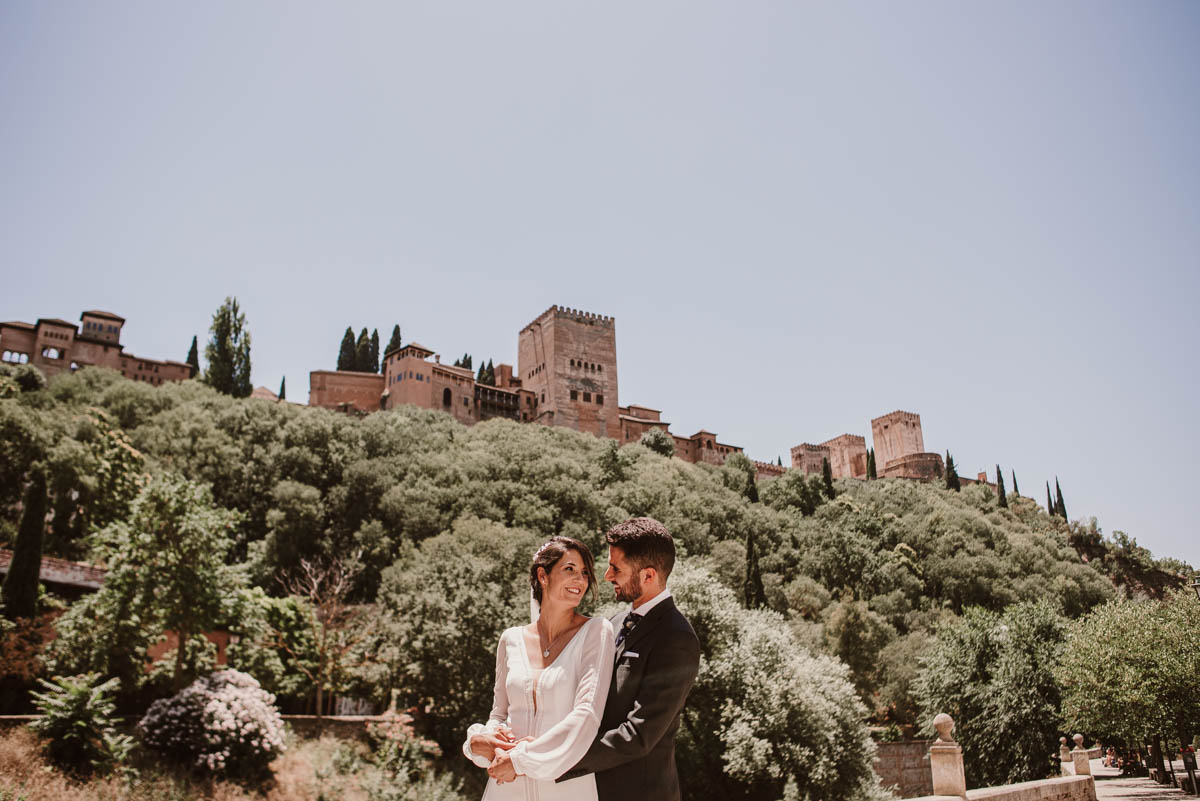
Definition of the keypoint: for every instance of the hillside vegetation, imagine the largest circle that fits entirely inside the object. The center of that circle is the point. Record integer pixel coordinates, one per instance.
(436, 522)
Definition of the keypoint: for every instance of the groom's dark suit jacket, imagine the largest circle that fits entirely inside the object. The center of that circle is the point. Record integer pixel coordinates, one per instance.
(633, 755)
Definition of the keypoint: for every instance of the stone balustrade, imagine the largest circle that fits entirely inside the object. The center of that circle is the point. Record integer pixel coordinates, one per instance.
(949, 775)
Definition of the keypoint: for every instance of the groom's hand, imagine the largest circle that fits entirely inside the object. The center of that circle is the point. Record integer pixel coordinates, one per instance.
(502, 769)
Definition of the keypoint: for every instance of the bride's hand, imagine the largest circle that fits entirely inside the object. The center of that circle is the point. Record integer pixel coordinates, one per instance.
(487, 744)
(502, 769)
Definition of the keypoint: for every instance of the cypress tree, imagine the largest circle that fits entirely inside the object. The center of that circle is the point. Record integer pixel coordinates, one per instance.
(754, 594)
(952, 481)
(193, 358)
(468, 362)
(481, 376)
(346, 354)
(394, 342)
(1060, 507)
(374, 351)
(1016, 492)
(283, 388)
(827, 477)
(779, 460)
(871, 471)
(362, 353)
(1049, 500)
(228, 351)
(20, 591)
(491, 374)
(1001, 497)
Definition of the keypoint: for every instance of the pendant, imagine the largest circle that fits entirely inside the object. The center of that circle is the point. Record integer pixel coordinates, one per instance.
(546, 654)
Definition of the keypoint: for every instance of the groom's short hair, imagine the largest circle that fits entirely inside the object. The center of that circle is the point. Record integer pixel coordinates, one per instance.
(645, 543)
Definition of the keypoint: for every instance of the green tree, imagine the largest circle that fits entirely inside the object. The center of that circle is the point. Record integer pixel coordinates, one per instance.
(872, 473)
(193, 359)
(1001, 498)
(167, 572)
(490, 378)
(612, 466)
(20, 590)
(856, 635)
(283, 388)
(1050, 510)
(659, 441)
(754, 594)
(952, 482)
(395, 342)
(228, 351)
(794, 491)
(827, 478)
(767, 718)
(993, 672)
(347, 354)
(779, 461)
(1016, 491)
(436, 635)
(1059, 506)
(362, 353)
(1129, 669)
(374, 350)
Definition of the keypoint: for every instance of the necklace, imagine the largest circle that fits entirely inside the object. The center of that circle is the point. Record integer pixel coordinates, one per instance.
(550, 646)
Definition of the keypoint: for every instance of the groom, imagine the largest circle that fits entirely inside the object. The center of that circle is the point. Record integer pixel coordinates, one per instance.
(657, 658)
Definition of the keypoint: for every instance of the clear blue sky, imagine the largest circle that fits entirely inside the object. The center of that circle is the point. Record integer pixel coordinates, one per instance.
(802, 215)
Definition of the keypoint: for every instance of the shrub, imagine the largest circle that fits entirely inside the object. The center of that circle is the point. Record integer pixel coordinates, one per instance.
(224, 724)
(79, 725)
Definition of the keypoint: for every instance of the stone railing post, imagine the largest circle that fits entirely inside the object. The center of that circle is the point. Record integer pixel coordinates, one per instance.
(1064, 756)
(1083, 766)
(946, 760)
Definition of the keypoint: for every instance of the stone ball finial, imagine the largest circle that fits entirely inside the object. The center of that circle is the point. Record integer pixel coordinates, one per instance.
(1079, 741)
(944, 725)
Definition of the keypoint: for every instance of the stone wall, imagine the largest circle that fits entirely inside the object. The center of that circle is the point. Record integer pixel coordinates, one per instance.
(905, 766)
(342, 389)
(1066, 788)
(917, 466)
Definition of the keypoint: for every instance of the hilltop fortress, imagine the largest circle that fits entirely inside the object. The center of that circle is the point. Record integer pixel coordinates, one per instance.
(567, 376)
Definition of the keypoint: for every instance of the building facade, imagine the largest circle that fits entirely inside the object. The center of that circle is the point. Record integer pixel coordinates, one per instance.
(56, 346)
(566, 376)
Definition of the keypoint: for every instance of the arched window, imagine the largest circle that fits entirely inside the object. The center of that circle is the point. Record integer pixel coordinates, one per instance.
(446, 397)
(708, 444)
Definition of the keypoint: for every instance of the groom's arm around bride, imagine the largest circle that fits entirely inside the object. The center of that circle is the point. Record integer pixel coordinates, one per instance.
(656, 661)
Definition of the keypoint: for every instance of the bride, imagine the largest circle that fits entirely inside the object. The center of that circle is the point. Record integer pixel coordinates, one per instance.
(552, 679)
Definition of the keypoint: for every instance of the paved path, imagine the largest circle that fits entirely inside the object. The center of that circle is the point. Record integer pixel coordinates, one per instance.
(1110, 787)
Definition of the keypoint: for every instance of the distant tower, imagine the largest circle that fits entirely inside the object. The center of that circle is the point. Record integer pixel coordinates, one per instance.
(895, 435)
(568, 359)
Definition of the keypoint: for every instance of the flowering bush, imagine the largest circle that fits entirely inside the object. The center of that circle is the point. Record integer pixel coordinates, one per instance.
(224, 724)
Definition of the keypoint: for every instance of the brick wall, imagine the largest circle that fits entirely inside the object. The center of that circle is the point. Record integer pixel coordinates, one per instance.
(904, 765)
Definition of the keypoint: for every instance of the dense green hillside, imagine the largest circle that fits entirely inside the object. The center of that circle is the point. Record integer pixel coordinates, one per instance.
(866, 576)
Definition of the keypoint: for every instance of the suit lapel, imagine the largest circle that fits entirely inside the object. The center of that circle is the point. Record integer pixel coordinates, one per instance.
(647, 624)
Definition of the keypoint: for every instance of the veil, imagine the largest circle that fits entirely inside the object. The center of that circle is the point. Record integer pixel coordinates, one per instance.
(535, 608)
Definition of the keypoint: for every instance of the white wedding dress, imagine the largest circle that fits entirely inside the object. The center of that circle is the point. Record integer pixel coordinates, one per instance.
(561, 709)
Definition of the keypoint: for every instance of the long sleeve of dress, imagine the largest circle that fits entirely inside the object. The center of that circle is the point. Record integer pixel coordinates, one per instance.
(499, 713)
(561, 746)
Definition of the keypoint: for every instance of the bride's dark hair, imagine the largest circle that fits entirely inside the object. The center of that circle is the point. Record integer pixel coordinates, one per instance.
(548, 555)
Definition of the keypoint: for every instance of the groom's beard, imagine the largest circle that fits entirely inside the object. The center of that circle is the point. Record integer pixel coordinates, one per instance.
(630, 592)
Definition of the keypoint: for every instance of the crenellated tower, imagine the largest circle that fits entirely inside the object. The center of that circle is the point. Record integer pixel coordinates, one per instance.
(568, 359)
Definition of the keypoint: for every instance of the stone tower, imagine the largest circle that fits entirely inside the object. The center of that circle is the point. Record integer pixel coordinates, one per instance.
(568, 359)
(896, 435)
